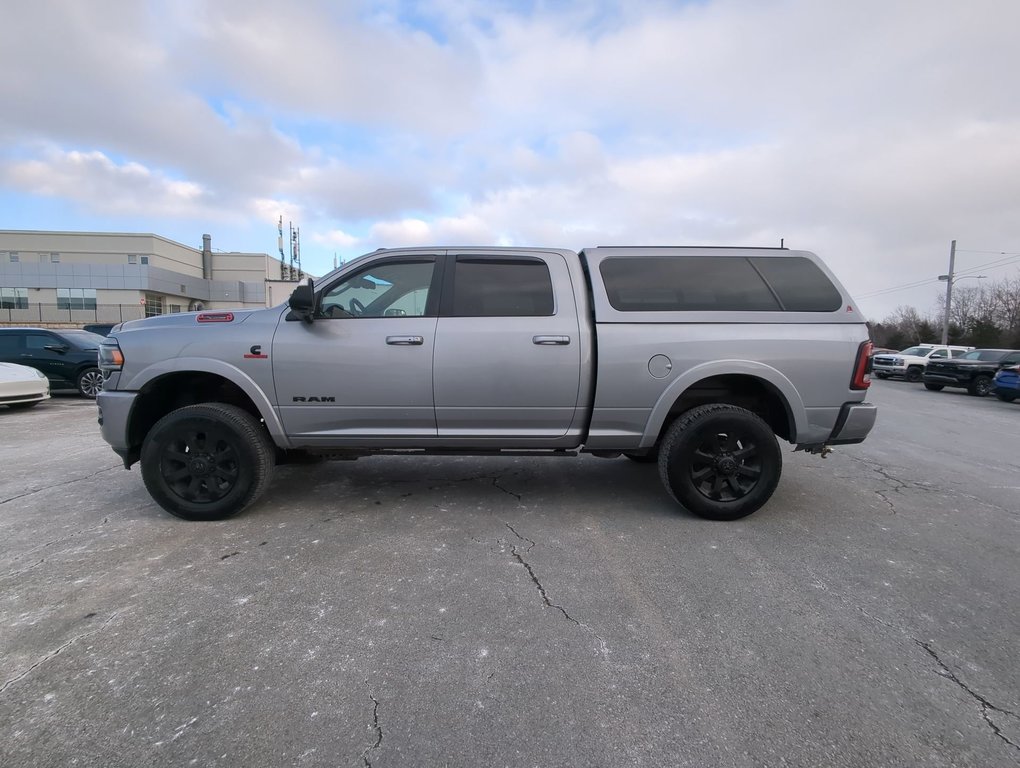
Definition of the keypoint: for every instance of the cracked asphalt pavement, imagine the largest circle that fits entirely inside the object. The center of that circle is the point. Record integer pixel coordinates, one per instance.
(404, 611)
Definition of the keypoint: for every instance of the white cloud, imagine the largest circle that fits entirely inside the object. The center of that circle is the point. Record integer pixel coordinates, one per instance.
(96, 182)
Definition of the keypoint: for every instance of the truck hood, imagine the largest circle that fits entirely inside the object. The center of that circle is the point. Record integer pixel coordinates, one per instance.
(190, 319)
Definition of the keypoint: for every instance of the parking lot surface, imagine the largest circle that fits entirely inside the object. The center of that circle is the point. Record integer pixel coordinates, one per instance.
(404, 611)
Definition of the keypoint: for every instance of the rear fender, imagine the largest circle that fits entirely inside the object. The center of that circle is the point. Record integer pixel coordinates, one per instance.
(672, 393)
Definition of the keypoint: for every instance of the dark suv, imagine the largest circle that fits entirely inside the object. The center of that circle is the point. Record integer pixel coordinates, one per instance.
(973, 370)
(69, 358)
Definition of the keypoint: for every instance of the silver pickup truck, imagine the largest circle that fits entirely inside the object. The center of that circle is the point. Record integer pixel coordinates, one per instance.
(694, 358)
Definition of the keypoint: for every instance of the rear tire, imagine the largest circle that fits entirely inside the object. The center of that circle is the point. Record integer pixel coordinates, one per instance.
(914, 374)
(720, 461)
(934, 387)
(980, 387)
(207, 462)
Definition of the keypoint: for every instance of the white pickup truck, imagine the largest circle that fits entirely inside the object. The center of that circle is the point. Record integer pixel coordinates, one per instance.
(910, 363)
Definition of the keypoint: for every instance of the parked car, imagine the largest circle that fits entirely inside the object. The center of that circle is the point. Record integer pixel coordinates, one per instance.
(21, 386)
(68, 358)
(972, 371)
(103, 329)
(1007, 383)
(910, 363)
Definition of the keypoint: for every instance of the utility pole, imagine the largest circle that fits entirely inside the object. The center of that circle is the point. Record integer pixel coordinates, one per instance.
(949, 292)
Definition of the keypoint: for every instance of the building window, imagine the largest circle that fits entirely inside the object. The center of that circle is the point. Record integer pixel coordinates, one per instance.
(54, 258)
(132, 258)
(76, 298)
(145, 259)
(153, 305)
(13, 298)
(175, 308)
(15, 257)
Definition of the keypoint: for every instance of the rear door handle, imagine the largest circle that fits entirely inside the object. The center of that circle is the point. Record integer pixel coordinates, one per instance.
(545, 340)
(405, 341)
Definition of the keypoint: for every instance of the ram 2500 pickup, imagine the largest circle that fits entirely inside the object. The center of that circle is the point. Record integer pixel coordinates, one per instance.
(697, 359)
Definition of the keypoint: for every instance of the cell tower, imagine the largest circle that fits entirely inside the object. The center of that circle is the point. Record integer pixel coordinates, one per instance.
(290, 267)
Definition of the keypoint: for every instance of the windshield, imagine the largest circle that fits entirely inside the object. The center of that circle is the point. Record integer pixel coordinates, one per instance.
(985, 355)
(82, 339)
(916, 351)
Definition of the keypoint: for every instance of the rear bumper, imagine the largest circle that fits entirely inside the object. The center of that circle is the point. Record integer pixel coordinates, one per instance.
(854, 423)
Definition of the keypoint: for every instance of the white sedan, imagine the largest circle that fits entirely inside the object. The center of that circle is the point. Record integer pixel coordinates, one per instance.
(21, 386)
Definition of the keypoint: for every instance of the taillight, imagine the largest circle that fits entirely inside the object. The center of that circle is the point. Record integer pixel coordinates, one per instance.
(216, 317)
(862, 366)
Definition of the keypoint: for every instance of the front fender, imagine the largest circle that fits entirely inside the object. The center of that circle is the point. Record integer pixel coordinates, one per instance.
(220, 368)
(690, 377)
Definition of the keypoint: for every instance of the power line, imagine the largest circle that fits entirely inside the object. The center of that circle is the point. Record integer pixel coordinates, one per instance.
(994, 264)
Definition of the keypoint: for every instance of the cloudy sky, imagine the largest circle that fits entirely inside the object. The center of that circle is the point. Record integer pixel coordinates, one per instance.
(873, 132)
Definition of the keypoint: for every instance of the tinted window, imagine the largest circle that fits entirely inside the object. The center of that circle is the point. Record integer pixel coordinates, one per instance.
(9, 343)
(985, 355)
(670, 284)
(385, 290)
(916, 351)
(798, 282)
(82, 339)
(39, 341)
(501, 288)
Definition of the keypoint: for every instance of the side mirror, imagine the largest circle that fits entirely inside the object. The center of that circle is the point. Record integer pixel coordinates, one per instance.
(302, 301)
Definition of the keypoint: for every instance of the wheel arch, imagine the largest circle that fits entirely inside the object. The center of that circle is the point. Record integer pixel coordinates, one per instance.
(176, 383)
(746, 383)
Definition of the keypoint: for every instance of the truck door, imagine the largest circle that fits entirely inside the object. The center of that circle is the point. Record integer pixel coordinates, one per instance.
(363, 368)
(508, 353)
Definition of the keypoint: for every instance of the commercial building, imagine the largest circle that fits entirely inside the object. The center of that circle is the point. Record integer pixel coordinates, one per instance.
(72, 278)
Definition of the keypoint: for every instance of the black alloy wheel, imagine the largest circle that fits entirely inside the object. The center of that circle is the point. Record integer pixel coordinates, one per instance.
(720, 461)
(980, 387)
(207, 462)
(90, 382)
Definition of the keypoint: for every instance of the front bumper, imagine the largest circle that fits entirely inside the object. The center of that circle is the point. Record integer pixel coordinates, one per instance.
(114, 416)
(889, 370)
(854, 423)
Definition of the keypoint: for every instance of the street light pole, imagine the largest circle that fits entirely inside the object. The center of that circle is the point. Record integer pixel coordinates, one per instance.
(949, 293)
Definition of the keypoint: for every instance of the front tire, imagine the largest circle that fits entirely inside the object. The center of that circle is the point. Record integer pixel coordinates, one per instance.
(89, 383)
(1005, 398)
(980, 387)
(720, 461)
(914, 374)
(934, 387)
(207, 462)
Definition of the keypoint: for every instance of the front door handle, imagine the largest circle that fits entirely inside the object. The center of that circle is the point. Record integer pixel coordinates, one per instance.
(545, 340)
(405, 341)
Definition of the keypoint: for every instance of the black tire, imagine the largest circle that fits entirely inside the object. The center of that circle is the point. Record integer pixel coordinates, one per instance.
(651, 457)
(23, 406)
(934, 387)
(207, 462)
(980, 386)
(1005, 398)
(882, 375)
(89, 383)
(720, 461)
(914, 374)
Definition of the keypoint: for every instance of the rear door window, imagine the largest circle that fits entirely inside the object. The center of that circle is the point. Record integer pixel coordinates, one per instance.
(501, 287)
